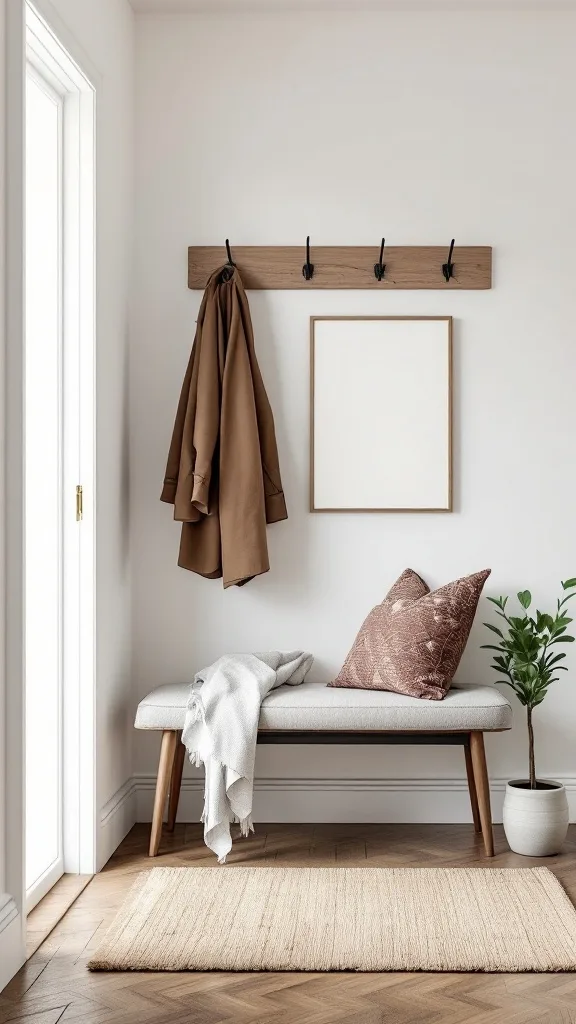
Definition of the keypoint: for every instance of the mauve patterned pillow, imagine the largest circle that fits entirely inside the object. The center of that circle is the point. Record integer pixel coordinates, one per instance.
(358, 669)
(412, 642)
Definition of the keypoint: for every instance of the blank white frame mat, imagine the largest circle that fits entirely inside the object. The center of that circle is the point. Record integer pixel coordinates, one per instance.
(381, 410)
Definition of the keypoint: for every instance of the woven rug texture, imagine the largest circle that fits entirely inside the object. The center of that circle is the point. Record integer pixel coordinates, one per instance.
(342, 919)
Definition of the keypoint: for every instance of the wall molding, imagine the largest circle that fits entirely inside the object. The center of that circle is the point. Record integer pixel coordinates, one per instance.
(309, 800)
(434, 801)
(11, 939)
(277, 6)
(8, 911)
(117, 817)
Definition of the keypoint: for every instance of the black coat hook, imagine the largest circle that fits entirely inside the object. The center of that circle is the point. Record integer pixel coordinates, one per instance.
(448, 268)
(308, 268)
(380, 267)
(229, 270)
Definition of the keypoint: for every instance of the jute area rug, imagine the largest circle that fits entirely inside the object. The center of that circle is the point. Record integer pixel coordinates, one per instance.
(341, 919)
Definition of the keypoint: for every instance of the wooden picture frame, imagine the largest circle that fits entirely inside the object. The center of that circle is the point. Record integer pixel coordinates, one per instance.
(381, 414)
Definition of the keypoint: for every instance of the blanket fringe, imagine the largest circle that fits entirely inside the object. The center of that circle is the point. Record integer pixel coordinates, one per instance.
(246, 826)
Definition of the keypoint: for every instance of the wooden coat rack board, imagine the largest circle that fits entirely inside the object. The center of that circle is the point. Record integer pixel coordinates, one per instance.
(345, 266)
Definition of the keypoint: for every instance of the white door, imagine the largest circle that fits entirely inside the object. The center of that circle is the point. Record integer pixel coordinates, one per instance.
(58, 375)
(44, 493)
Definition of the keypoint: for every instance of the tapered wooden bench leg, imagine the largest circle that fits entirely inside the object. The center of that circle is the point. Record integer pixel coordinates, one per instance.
(175, 783)
(167, 752)
(482, 789)
(472, 788)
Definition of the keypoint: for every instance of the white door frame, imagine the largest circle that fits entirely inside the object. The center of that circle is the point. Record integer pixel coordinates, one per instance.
(51, 51)
(42, 78)
(80, 843)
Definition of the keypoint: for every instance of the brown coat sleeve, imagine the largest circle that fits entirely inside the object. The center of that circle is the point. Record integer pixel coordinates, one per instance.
(206, 427)
(273, 493)
(176, 468)
(249, 489)
(189, 469)
(179, 478)
(242, 504)
(175, 451)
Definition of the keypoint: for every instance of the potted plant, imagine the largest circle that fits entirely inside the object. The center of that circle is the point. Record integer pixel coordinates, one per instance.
(535, 810)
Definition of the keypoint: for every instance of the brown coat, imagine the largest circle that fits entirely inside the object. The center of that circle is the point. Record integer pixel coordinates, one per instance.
(223, 476)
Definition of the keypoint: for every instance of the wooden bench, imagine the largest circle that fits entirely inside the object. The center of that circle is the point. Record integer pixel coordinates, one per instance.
(315, 713)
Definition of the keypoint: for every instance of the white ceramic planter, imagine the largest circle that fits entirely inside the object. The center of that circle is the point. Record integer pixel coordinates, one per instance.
(535, 820)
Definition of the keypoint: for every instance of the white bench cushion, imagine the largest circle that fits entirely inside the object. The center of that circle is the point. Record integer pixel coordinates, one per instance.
(315, 706)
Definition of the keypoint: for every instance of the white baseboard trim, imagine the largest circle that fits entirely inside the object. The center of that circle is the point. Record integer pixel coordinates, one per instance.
(116, 819)
(430, 801)
(12, 948)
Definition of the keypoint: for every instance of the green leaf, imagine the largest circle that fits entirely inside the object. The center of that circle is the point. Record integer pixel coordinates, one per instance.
(553, 658)
(544, 621)
(494, 629)
(568, 584)
(518, 623)
(525, 598)
(558, 632)
(562, 640)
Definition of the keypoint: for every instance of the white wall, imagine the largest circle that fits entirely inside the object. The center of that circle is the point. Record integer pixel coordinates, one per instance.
(348, 126)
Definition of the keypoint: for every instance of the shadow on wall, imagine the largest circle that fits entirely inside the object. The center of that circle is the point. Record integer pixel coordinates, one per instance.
(288, 575)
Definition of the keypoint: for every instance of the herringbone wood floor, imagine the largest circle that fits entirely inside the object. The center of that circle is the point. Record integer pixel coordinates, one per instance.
(55, 985)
